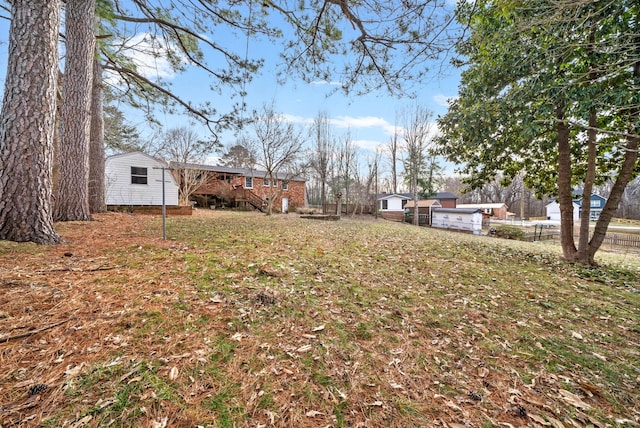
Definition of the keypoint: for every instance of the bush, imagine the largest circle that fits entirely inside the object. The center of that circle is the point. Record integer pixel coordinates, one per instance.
(508, 232)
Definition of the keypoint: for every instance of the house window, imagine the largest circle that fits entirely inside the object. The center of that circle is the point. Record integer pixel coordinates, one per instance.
(275, 183)
(265, 181)
(385, 204)
(248, 182)
(285, 185)
(138, 175)
(404, 202)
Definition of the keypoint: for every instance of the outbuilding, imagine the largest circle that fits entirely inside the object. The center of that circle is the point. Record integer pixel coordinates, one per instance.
(136, 179)
(466, 219)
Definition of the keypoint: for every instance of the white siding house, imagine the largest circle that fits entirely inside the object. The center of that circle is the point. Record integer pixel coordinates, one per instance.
(391, 205)
(136, 179)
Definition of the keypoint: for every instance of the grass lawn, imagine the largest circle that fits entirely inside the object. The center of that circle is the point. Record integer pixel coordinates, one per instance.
(245, 320)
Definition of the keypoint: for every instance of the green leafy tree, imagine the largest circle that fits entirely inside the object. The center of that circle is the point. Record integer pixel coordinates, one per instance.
(550, 91)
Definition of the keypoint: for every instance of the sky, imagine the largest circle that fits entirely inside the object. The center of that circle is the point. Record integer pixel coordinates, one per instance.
(369, 119)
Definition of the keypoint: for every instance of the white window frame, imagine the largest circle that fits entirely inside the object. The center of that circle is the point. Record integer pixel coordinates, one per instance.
(248, 182)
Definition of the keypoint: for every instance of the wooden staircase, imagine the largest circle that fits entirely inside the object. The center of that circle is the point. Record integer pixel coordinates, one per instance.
(245, 195)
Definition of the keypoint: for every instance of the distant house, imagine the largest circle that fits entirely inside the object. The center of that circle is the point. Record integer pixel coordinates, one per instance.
(465, 219)
(392, 205)
(234, 187)
(596, 205)
(135, 179)
(499, 211)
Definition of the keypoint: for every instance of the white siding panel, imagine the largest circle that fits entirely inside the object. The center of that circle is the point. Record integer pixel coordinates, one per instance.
(461, 221)
(120, 190)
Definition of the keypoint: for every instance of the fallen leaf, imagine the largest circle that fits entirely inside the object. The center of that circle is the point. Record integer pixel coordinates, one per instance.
(318, 328)
(173, 373)
(574, 400)
(539, 419)
(162, 423)
(305, 348)
(374, 404)
(483, 371)
(313, 413)
(576, 335)
(555, 423)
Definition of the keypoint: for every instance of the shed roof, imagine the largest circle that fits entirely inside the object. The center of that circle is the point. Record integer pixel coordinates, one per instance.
(482, 206)
(457, 210)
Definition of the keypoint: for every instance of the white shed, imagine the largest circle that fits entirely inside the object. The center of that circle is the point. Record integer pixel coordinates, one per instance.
(468, 219)
(136, 179)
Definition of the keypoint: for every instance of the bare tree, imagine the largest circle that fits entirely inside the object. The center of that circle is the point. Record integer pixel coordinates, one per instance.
(364, 186)
(184, 149)
(322, 154)
(276, 145)
(417, 134)
(347, 163)
(72, 196)
(393, 150)
(27, 122)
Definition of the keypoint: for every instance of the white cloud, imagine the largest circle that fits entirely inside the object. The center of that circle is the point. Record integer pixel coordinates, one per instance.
(149, 57)
(292, 118)
(324, 82)
(368, 144)
(442, 100)
(364, 122)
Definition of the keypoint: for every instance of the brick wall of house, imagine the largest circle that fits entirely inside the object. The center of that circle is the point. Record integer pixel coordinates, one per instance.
(222, 186)
(448, 203)
(294, 192)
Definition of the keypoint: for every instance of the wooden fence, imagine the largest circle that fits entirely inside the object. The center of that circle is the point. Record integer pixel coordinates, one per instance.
(622, 240)
(617, 239)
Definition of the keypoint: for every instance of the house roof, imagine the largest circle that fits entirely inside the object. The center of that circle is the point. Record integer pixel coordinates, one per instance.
(438, 195)
(382, 196)
(423, 203)
(443, 195)
(247, 172)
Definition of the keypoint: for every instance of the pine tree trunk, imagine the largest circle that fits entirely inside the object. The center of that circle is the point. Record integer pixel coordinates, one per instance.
(97, 201)
(27, 122)
(72, 200)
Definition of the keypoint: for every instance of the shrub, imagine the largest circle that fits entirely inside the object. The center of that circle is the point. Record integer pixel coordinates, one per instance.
(508, 232)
